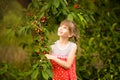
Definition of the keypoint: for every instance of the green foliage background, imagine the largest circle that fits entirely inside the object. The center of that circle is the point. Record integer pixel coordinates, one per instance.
(98, 56)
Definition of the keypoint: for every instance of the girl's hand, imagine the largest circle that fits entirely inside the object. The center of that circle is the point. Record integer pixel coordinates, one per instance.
(50, 56)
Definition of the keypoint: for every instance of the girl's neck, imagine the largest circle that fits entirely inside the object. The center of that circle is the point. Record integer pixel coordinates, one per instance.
(63, 41)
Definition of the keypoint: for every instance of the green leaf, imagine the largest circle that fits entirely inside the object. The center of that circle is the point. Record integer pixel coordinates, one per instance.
(113, 26)
(36, 49)
(65, 9)
(35, 4)
(10, 34)
(35, 74)
(42, 56)
(21, 30)
(3, 69)
(66, 2)
(36, 65)
(81, 18)
(83, 68)
(56, 3)
(28, 73)
(44, 66)
(49, 72)
(54, 10)
(12, 75)
(107, 76)
(45, 75)
(91, 40)
(70, 17)
(43, 10)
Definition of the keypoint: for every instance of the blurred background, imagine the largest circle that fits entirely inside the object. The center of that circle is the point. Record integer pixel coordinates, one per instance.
(29, 27)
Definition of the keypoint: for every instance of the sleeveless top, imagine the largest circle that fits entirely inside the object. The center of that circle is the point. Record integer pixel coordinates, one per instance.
(60, 73)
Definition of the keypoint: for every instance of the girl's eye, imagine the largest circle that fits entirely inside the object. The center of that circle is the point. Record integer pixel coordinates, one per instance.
(65, 27)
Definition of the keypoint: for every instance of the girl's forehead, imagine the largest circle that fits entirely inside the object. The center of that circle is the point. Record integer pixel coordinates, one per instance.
(64, 26)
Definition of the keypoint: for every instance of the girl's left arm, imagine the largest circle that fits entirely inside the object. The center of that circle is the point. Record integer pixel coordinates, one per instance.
(66, 64)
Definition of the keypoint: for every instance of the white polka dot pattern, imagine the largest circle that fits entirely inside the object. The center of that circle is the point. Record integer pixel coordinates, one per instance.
(61, 73)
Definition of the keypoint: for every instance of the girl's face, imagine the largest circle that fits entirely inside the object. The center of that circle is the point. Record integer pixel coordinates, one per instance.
(63, 31)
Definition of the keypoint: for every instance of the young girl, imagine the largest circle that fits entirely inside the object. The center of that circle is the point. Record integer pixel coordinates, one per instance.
(63, 52)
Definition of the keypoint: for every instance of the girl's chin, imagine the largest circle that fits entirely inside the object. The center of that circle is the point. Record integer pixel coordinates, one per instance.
(59, 34)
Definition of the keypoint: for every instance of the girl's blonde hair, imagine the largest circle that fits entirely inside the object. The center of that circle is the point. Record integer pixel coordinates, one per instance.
(72, 28)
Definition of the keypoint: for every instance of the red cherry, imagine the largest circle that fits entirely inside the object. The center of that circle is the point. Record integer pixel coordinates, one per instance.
(44, 52)
(43, 19)
(40, 30)
(76, 6)
(42, 38)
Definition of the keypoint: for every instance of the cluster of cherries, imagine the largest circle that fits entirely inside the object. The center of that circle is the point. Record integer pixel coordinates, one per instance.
(43, 19)
(39, 31)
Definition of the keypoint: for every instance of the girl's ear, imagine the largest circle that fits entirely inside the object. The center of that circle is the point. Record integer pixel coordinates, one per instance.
(71, 35)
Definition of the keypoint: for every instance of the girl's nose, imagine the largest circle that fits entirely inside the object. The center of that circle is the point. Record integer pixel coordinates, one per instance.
(60, 28)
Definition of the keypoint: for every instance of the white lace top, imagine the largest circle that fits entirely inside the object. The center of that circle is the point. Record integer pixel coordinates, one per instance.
(64, 52)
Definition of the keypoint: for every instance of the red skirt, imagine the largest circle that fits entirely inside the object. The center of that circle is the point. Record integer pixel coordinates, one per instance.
(60, 73)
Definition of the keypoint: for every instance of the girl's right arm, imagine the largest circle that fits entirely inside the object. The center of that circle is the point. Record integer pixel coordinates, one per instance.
(66, 64)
